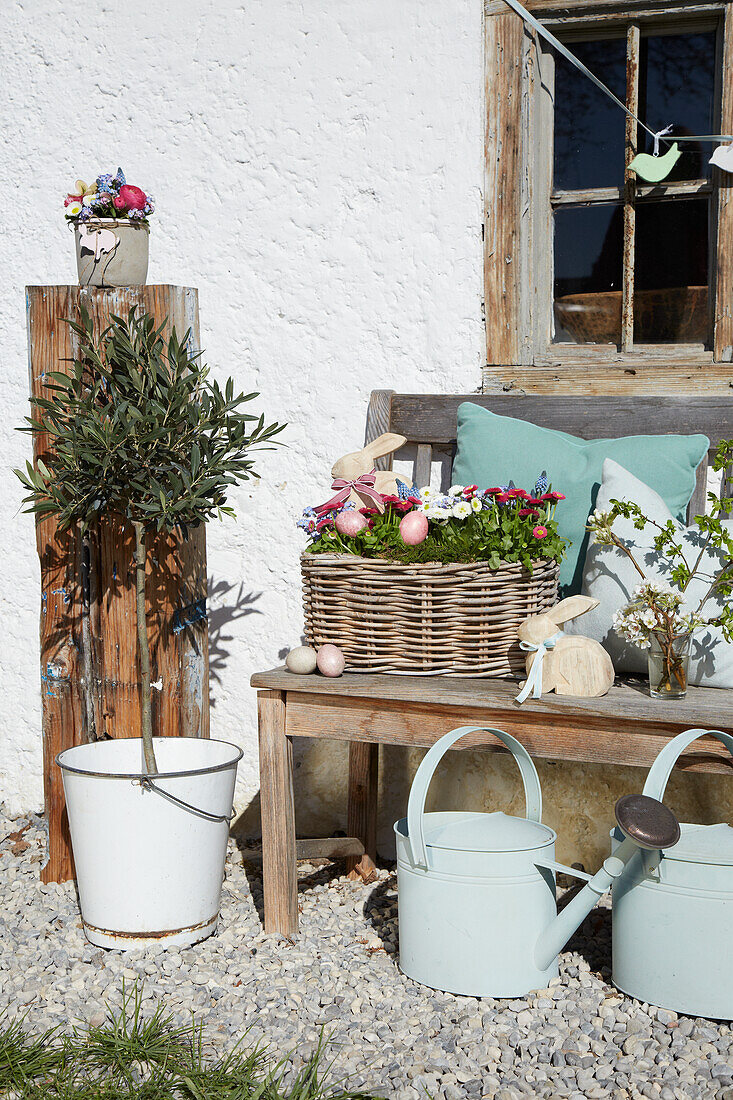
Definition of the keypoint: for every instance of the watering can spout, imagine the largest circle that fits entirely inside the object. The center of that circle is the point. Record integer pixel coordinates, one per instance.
(645, 823)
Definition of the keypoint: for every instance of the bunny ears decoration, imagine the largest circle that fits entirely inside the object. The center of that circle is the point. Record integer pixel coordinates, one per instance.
(563, 663)
(356, 479)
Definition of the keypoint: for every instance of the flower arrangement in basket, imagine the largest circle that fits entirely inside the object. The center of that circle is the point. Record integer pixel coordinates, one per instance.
(110, 222)
(423, 581)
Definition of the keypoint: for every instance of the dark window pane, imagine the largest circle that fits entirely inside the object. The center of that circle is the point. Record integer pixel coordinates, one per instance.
(676, 85)
(671, 278)
(589, 127)
(588, 266)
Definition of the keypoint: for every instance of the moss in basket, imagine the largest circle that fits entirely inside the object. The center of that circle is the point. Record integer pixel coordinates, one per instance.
(508, 526)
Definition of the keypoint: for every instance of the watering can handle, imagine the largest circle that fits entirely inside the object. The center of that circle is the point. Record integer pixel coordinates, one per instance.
(424, 775)
(661, 769)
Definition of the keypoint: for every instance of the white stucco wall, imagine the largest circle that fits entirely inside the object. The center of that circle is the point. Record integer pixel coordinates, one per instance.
(317, 171)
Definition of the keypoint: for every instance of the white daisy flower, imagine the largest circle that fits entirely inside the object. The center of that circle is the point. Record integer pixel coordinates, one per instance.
(73, 209)
(455, 490)
(476, 505)
(427, 493)
(462, 510)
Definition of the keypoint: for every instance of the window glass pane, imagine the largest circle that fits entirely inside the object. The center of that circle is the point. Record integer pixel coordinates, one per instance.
(676, 85)
(589, 127)
(671, 277)
(588, 266)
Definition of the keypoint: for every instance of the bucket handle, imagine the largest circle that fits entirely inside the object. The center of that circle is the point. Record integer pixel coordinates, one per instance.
(147, 785)
(661, 769)
(428, 765)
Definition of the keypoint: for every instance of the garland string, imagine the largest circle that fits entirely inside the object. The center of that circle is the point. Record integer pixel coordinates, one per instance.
(570, 56)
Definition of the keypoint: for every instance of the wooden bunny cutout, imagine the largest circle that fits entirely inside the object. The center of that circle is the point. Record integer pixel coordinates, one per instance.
(564, 663)
(354, 465)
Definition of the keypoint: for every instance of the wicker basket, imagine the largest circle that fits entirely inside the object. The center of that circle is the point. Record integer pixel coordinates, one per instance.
(433, 619)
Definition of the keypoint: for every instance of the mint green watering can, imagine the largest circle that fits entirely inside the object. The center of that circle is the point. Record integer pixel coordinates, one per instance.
(673, 910)
(476, 891)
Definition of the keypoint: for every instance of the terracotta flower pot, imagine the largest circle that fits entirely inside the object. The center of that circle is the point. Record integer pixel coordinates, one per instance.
(111, 252)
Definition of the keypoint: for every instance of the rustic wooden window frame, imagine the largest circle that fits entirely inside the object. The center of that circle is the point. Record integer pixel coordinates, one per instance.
(518, 210)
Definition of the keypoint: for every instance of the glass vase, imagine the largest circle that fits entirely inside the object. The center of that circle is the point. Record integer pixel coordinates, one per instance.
(669, 659)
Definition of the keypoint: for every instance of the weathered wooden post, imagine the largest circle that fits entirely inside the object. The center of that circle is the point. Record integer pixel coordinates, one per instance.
(90, 673)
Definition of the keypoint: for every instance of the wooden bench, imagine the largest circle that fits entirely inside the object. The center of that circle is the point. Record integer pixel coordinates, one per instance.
(624, 727)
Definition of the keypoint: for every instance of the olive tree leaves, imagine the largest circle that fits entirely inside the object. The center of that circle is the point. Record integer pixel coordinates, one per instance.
(140, 429)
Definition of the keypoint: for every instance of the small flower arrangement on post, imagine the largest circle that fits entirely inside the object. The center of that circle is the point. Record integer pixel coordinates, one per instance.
(499, 524)
(658, 618)
(110, 222)
(110, 196)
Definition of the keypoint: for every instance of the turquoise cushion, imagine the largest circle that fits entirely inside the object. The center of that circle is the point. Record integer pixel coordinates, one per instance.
(493, 450)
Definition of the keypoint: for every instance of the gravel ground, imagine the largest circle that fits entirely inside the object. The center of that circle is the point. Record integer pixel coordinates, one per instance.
(579, 1038)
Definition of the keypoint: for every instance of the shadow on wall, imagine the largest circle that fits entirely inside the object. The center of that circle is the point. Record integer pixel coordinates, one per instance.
(578, 799)
(225, 607)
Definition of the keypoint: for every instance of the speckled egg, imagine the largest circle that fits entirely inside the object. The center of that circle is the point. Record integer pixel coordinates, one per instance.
(350, 523)
(331, 661)
(302, 660)
(414, 528)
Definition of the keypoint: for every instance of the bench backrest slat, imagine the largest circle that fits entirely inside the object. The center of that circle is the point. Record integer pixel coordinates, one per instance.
(429, 422)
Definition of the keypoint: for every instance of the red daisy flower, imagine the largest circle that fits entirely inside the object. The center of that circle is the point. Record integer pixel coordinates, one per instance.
(540, 532)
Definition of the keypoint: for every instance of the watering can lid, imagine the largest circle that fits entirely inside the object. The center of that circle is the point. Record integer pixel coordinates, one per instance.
(482, 832)
(703, 844)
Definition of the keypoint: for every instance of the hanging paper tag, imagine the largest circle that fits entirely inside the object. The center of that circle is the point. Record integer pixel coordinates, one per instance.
(655, 169)
(723, 158)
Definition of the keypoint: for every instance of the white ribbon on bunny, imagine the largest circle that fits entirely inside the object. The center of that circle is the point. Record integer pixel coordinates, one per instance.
(533, 683)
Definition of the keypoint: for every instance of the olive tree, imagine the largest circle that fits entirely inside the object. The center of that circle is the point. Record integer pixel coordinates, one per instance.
(139, 429)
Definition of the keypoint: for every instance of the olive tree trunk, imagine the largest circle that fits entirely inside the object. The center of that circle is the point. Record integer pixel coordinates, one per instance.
(142, 640)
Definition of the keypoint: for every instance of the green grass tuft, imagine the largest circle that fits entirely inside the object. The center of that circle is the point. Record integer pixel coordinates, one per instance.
(137, 1057)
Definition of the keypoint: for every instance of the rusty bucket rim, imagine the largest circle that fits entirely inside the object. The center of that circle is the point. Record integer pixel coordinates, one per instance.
(159, 775)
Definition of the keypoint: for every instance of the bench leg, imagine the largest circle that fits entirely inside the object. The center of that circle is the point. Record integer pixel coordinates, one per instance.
(362, 808)
(279, 875)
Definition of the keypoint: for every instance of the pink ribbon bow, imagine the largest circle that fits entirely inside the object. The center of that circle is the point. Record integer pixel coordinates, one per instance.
(363, 485)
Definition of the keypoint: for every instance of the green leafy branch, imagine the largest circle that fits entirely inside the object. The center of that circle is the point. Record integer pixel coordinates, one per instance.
(714, 534)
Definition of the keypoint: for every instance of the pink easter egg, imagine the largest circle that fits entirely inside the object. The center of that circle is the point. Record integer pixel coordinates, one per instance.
(350, 523)
(330, 660)
(414, 528)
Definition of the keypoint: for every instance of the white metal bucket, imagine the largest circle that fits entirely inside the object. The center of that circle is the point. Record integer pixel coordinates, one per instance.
(149, 850)
(472, 899)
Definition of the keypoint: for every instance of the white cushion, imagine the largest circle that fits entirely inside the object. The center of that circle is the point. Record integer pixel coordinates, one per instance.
(610, 577)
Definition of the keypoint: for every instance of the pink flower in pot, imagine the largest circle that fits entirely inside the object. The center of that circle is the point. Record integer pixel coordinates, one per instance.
(131, 198)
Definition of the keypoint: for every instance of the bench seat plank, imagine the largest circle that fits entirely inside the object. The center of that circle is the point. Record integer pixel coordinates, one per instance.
(627, 701)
